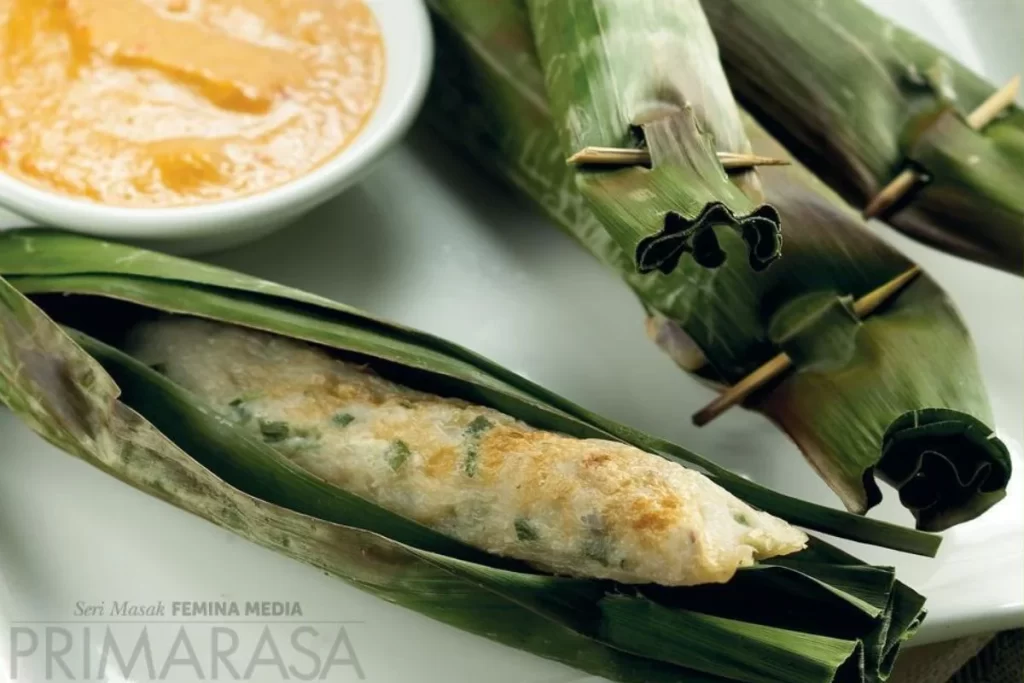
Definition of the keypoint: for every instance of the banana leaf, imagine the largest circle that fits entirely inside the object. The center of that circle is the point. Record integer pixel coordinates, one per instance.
(897, 396)
(624, 74)
(858, 99)
(80, 391)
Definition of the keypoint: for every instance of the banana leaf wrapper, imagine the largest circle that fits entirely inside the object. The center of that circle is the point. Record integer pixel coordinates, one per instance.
(858, 99)
(625, 74)
(898, 396)
(61, 370)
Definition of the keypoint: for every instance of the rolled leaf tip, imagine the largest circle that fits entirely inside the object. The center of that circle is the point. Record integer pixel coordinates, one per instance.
(948, 467)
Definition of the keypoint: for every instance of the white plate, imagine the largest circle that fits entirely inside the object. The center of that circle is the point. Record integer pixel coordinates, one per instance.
(425, 241)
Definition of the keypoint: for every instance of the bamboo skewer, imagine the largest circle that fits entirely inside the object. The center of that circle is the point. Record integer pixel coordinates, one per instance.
(977, 119)
(863, 307)
(624, 156)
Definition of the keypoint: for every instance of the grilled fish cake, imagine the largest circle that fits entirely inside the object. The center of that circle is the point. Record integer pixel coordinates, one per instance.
(581, 507)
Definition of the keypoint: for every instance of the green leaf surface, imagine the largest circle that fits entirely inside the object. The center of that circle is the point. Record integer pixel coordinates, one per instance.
(858, 99)
(411, 355)
(619, 73)
(142, 428)
(853, 379)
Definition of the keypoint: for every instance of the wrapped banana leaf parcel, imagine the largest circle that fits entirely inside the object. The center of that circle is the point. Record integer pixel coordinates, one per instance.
(897, 395)
(630, 75)
(859, 100)
(433, 478)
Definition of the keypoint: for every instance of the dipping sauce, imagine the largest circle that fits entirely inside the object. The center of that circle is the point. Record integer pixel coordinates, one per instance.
(155, 103)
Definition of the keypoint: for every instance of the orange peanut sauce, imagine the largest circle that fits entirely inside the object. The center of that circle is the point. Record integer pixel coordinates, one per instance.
(173, 102)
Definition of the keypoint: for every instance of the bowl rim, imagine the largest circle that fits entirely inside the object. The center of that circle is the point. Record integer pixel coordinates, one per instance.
(409, 49)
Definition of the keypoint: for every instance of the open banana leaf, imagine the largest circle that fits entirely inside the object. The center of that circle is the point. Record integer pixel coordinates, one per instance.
(80, 391)
(625, 74)
(898, 396)
(858, 99)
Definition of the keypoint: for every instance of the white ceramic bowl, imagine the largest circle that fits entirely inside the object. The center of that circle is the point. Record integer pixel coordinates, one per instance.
(408, 41)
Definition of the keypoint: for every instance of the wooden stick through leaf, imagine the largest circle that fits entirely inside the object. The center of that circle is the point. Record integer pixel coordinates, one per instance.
(977, 119)
(863, 307)
(625, 156)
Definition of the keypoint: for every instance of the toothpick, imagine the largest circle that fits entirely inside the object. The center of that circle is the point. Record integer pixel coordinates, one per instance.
(610, 156)
(746, 386)
(867, 304)
(621, 156)
(977, 119)
(731, 161)
(738, 392)
(988, 110)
